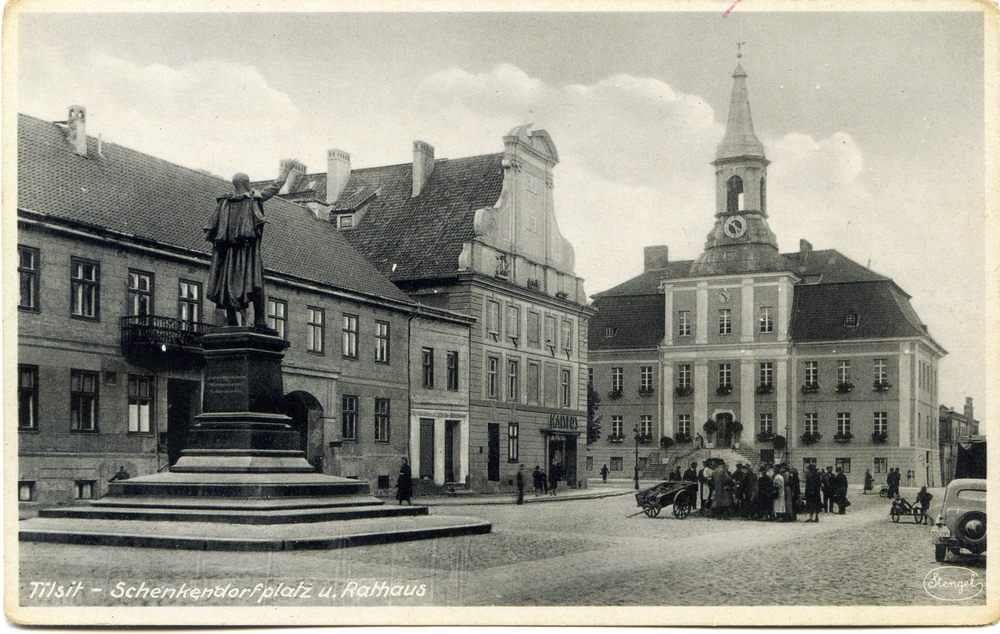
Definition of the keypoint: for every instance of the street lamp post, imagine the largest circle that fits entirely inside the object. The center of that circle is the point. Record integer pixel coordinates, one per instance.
(636, 433)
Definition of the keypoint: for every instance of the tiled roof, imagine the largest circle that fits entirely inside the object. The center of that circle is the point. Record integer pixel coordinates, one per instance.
(635, 321)
(142, 196)
(819, 312)
(649, 282)
(409, 238)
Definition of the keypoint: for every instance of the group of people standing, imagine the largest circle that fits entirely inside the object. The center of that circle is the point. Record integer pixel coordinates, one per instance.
(545, 484)
(773, 493)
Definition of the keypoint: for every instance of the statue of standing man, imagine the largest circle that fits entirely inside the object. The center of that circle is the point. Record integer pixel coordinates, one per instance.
(236, 278)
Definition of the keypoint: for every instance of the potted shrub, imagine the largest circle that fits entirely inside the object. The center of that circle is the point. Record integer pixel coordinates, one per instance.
(666, 442)
(879, 437)
(779, 442)
(843, 437)
(710, 427)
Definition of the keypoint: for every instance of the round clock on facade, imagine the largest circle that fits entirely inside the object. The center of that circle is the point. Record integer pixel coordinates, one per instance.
(735, 227)
(725, 296)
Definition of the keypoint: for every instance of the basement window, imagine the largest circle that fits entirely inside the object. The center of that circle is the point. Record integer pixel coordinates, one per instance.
(610, 332)
(851, 321)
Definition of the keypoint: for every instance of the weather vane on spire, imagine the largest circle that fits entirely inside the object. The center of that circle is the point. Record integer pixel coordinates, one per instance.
(739, 49)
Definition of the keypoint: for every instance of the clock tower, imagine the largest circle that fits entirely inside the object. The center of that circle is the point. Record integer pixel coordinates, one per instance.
(740, 241)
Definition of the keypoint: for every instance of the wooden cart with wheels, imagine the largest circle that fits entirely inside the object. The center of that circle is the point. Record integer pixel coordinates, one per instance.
(681, 495)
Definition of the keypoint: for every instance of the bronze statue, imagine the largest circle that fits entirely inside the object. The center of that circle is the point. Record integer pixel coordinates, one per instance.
(236, 278)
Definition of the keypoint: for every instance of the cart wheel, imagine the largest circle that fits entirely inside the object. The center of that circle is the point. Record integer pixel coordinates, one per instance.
(883, 493)
(650, 510)
(682, 506)
(940, 553)
(895, 514)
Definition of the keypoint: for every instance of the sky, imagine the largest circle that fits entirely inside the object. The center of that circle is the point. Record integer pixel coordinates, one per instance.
(873, 121)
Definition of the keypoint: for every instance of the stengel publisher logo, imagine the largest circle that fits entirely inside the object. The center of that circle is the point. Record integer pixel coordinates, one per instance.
(952, 583)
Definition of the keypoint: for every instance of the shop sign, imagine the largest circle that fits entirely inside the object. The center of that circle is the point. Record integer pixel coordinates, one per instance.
(562, 421)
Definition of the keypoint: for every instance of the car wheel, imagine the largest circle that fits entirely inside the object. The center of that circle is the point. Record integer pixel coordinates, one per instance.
(940, 553)
(650, 510)
(971, 530)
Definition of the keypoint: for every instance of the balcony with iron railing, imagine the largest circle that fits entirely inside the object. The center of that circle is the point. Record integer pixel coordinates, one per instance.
(156, 341)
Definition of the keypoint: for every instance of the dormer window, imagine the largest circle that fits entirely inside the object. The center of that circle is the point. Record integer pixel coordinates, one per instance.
(851, 321)
(346, 221)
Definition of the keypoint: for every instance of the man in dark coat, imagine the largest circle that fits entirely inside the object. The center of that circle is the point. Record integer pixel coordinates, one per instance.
(519, 478)
(604, 473)
(236, 278)
(722, 487)
(540, 481)
(840, 491)
(404, 483)
(691, 475)
(826, 488)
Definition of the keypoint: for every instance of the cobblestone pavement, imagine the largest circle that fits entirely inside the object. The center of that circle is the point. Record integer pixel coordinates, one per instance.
(583, 552)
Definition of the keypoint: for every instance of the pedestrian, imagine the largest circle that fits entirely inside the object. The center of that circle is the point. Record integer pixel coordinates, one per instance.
(604, 474)
(869, 481)
(404, 483)
(538, 479)
(826, 488)
(706, 483)
(893, 481)
(813, 486)
(691, 475)
(722, 487)
(924, 501)
(840, 491)
(750, 489)
(778, 495)
(553, 479)
(699, 441)
(763, 502)
(519, 478)
(796, 490)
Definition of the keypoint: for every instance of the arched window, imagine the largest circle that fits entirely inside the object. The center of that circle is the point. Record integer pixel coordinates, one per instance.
(763, 196)
(734, 200)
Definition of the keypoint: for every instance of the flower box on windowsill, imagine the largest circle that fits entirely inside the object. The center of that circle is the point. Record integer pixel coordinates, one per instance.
(880, 437)
(765, 389)
(646, 391)
(723, 390)
(682, 438)
(810, 438)
(683, 391)
(616, 439)
(614, 395)
(881, 386)
(844, 388)
(810, 388)
(765, 436)
(646, 439)
(842, 438)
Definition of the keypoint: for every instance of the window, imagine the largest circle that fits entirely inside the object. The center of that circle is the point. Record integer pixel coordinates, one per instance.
(590, 463)
(513, 323)
(140, 293)
(27, 397)
(452, 360)
(27, 271)
(382, 342)
(684, 376)
(843, 463)
(684, 424)
(881, 370)
(566, 385)
(617, 463)
(843, 423)
(140, 403)
(534, 329)
(567, 337)
(725, 375)
(492, 377)
(84, 489)
(843, 371)
(812, 423)
(513, 379)
(812, 372)
(646, 378)
(349, 417)
(725, 321)
(767, 374)
(277, 315)
(427, 363)
(684, 323)
(766, 423)
(512, 442)
(881, 423)
(734, 194)
(346, 221)
(852, 320)
(617, 426)
(881, 465)
(808, 461)
(315, 327)
(766, 324)
(610, 332)
(493, 319)
(85, 288)
(550, 332)
(83, 400)
(350, 336)
(617, 379)
(25, 491)
(189, 301)
(534, 386)
(381, 420)
(646, 425)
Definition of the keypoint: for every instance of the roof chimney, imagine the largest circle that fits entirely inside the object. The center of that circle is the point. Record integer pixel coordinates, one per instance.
(77, 123)
(655, 257)
(423, 165)
(805, 246)
(968, 408)
(338, 172)
(296, 171)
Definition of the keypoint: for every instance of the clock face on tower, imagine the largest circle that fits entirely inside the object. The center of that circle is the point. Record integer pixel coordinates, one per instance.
(735, 227)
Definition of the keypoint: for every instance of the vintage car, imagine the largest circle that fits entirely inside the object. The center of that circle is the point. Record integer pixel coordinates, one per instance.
(962, 522)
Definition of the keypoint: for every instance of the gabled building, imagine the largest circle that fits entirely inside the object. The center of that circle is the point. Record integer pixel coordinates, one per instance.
(955, 428)
(112, 264)
(809, 346)
(478, 235)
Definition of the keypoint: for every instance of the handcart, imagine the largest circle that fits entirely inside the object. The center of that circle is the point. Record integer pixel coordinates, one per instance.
(902, 508)
(682, 495)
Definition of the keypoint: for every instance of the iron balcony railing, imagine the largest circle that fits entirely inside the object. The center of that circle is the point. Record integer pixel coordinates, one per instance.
(140, 331)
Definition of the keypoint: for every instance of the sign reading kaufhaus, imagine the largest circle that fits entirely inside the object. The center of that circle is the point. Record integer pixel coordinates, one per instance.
(563, 422)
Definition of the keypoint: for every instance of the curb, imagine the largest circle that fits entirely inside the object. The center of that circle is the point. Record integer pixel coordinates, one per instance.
(527, 500)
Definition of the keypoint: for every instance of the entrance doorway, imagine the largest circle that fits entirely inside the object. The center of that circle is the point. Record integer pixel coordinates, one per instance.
(426, 448)
(451, 438)
(182, 406)
(724, 434)
(493, 452)
(306, 413)
(562, 458)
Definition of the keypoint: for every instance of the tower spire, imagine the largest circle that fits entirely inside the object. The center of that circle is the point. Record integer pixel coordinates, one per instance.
(739, 139)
